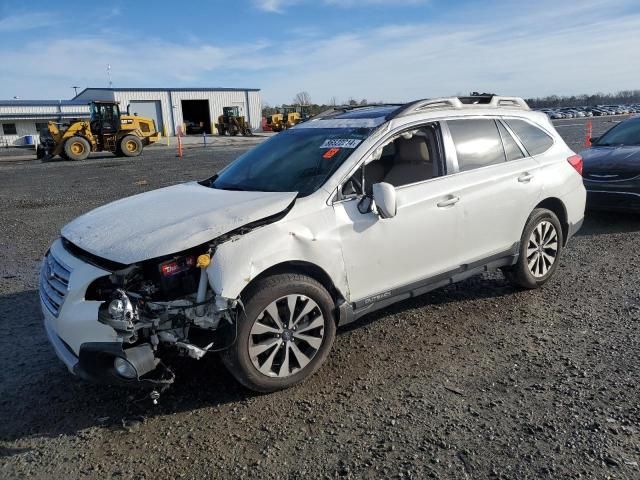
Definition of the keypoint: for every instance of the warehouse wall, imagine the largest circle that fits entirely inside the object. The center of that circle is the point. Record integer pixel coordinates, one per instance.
(255, 104)
(29, 110)
(218, 100)
(170, 101)
(23, 127)
(125, 97)
(25, 117)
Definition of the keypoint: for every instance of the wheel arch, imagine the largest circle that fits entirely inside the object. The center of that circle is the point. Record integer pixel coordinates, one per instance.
(304, 268)
(558, 207)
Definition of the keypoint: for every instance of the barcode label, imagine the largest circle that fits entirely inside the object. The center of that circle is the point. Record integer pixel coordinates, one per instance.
(341, 143)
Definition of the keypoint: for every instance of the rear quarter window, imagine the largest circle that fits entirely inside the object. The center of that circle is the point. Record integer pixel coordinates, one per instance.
(534, 139)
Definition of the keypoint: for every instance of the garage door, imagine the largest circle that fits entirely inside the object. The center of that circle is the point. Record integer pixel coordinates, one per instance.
(148, 108)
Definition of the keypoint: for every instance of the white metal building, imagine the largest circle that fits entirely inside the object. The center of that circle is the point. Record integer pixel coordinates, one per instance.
(173, 109)
(21, 120)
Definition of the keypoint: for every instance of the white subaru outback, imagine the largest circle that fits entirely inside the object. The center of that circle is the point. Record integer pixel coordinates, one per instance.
(328, 221)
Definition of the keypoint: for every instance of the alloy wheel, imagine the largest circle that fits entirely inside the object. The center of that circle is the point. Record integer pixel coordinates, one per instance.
(286, 336)
(542, 249)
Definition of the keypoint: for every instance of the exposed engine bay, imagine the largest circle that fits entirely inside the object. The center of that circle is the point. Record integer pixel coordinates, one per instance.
(156, 305)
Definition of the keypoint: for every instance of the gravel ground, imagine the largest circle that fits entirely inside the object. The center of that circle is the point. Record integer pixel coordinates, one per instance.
(477, 380)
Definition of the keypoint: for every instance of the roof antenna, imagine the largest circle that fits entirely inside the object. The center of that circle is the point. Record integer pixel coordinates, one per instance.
(109, 74)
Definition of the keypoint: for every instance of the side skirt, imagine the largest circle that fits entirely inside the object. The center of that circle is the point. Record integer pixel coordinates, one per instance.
(350, 312)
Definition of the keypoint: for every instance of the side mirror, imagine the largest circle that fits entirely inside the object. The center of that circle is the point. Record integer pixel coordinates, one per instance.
(594, 140)
(384, 194)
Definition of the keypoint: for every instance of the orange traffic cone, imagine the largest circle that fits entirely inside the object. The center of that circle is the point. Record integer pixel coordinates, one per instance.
(588, 134)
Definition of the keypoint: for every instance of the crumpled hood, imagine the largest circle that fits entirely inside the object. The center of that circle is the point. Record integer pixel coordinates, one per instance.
(169, 220)
(625, 159)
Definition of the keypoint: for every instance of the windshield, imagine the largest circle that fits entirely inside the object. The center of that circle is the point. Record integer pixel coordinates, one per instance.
(625, 133)
(297, 160)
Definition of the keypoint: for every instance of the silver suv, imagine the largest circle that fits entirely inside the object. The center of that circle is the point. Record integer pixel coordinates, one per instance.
(324, 223)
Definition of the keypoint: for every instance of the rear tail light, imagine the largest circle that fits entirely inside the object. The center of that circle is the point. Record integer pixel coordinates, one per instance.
(576, 162)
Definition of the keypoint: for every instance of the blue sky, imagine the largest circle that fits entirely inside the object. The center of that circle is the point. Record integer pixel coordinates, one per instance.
(391, 50)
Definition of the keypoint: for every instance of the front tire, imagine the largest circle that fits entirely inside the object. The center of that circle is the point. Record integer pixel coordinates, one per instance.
(76, 148)
(130, 146)
(540, 250)
(284, 334)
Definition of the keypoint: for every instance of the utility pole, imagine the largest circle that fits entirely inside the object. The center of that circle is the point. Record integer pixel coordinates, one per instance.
(109, 74)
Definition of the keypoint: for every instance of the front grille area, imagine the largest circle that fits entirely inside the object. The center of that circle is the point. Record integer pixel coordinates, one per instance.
(54, 283)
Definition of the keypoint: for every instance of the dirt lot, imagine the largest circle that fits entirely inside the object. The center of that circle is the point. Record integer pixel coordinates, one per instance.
(477, 380)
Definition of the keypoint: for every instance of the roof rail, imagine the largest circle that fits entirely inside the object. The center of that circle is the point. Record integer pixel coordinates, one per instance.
(462, 103)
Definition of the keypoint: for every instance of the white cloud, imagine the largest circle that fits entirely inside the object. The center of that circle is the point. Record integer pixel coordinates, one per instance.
(274, 6)
(519, 52)
(279, 6)
(26, 21)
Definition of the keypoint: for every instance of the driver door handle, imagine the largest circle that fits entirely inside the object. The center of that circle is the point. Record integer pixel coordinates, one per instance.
(525, 178)
(449, 202)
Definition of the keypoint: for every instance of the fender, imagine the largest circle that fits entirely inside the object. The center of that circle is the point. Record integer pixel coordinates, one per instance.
(311, 238)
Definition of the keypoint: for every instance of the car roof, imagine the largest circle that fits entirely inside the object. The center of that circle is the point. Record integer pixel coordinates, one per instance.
(375, 115)
(376, 111)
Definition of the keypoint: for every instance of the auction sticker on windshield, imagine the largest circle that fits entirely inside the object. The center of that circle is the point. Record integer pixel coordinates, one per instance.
(330, 153)
(341, 143)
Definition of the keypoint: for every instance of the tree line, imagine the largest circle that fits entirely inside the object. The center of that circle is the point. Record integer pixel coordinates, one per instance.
(550, 101)
(304, 99)
(621, 97)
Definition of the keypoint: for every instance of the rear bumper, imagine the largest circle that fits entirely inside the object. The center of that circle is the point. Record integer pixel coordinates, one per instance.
(574, 228)
(601, 199)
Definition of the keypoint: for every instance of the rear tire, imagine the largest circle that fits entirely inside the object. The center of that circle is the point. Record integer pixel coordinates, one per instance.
(76, 148)
(540, 251)
(130, 146)
(273, 354)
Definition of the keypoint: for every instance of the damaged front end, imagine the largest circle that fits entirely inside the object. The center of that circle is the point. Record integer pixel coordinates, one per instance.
(158, 308)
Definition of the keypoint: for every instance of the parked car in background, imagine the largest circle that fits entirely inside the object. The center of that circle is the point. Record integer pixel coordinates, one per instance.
(319, 225)
(612, 168)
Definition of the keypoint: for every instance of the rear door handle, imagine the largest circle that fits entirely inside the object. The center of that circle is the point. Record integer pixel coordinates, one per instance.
(449, 202)
(525, 178)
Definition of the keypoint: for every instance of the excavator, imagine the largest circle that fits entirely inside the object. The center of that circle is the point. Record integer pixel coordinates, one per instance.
(105, 131)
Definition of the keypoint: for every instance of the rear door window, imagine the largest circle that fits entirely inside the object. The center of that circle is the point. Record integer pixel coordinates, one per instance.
(534, 139)
(511, 148)
(478, 143)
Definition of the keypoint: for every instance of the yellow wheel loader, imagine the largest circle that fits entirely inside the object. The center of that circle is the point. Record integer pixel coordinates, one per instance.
(105, 131)
(290, 117)
(233, 123)
(276, 122)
